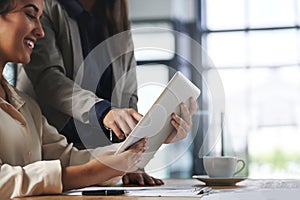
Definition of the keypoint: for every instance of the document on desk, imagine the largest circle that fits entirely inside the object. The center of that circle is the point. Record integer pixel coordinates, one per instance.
(168, 192)
(162, 191)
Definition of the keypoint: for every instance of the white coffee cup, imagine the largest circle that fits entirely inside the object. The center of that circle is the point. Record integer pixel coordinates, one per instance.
(222, 166)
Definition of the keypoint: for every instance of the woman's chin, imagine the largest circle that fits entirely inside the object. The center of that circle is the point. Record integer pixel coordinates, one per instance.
(24, 60)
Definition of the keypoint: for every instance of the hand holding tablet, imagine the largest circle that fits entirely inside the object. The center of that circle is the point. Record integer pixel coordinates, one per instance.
(156, 124)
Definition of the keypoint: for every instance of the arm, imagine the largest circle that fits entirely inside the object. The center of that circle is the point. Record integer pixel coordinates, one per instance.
(55, 175)
(103, 169)
(41, 177)
(52, 69)
(53, 65)
(88, 167)
(124, 96)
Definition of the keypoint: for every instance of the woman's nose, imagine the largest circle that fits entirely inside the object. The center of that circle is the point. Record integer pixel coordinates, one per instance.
(39, 31)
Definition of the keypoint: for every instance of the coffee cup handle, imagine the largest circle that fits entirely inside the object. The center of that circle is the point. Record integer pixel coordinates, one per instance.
(243, 166)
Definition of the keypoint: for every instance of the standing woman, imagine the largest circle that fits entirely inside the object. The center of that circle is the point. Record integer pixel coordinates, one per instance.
(75, 29)
(34, 158)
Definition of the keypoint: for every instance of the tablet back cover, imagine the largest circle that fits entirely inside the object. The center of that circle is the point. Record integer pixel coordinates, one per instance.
(156, 124)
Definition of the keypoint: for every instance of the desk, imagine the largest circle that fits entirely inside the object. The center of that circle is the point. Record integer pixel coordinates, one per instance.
(249, 186)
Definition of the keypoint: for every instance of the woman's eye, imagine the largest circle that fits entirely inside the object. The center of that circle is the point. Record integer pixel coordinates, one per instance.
(30, 15)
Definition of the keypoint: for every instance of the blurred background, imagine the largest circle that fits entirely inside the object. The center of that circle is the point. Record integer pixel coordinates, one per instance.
(254, 46)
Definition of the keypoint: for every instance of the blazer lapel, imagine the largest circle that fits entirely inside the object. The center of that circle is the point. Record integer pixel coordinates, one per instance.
(76, 46)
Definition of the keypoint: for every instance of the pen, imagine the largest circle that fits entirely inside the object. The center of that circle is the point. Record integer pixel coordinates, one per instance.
(103, 192)
(110, 135)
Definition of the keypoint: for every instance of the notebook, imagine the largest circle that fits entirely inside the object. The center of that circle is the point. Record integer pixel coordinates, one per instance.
(156, 123)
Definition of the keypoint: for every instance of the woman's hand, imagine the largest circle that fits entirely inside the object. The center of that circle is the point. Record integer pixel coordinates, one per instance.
(122, 163)
(141, 178)
(106, 169)
(126, 161)
(182, 125)
(121, 121)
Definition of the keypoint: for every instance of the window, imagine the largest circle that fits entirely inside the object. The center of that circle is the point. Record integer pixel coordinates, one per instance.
(153, 41)
(255, 48)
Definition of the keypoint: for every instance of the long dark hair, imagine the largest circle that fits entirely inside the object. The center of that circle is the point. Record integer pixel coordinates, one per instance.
(6, 6)
(113, 15)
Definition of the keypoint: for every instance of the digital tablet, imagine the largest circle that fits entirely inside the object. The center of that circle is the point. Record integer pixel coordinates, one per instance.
(156, 123)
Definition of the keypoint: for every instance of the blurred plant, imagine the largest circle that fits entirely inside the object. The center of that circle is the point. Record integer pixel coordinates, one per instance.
(277, 159)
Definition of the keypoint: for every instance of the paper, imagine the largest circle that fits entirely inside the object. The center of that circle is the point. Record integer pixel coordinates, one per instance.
(144, 191)
(164, 193)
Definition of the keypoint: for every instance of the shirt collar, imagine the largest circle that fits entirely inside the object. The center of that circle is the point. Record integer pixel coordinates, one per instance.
(73, 7)
(13, 97)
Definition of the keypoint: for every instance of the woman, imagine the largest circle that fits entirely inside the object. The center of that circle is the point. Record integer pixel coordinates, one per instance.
(34, 158)
(73, 29)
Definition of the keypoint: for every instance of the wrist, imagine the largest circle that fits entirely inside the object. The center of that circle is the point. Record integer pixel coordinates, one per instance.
(101, 172)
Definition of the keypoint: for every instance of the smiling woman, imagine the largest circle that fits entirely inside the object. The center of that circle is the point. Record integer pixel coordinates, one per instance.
(20, 21)
(34, 158)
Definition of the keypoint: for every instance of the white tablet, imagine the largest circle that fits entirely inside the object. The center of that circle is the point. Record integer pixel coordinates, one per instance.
(156, 124)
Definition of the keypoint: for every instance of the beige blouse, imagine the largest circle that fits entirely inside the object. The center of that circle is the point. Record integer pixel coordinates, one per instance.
(32, 152)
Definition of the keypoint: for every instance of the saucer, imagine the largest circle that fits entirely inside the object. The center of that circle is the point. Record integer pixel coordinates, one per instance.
(219, 181)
